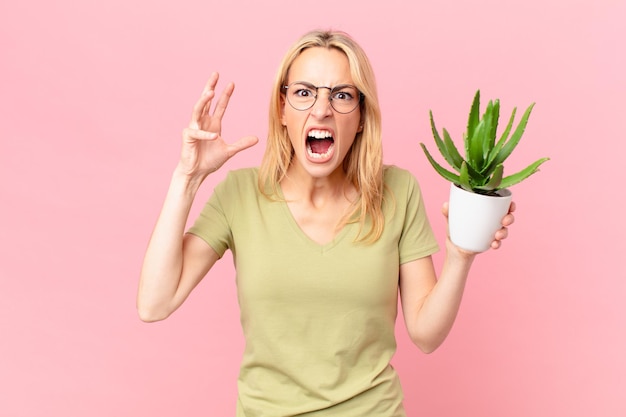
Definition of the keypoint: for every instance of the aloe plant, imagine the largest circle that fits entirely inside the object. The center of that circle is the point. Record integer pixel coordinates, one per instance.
(482, 169)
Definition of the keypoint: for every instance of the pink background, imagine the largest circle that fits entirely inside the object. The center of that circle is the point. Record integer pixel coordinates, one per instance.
(93, 97)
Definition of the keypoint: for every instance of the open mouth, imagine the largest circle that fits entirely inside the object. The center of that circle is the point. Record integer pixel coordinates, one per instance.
(319, 144)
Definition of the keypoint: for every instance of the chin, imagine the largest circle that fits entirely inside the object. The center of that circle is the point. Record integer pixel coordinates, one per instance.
(325, 170)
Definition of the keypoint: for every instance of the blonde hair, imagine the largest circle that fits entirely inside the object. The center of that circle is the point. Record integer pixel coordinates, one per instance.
(363, 164)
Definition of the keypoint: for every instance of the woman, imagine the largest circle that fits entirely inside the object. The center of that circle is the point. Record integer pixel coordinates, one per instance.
(323, 237)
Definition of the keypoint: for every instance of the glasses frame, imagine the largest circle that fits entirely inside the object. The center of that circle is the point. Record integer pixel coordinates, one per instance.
(330, 95)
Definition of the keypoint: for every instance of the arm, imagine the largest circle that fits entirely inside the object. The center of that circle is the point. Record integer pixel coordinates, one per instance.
(430, 305)
(174, 262)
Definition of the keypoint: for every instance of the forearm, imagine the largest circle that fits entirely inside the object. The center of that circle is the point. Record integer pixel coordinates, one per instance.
(435, 318)
(163, 261)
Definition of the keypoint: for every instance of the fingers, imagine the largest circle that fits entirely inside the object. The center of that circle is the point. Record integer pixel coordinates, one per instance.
(209, 90)
(502, 234)
(211, 82)
(203, 105)
(243, 143)
(199, 109)
(222, 103)
(499, 237)
(198, 134)
(509, 219)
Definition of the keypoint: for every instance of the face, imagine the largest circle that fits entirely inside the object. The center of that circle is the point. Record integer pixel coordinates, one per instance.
(321, 137)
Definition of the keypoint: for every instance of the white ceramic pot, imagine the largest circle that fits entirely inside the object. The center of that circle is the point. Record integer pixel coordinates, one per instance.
(474, 218)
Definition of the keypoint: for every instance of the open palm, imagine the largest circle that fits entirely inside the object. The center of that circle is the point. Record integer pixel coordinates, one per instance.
(203, 149)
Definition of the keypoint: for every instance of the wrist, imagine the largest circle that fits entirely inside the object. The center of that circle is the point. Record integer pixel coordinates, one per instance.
(457, 254)
(186, 182)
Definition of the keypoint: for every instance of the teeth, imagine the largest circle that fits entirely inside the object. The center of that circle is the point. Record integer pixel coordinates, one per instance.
(316, 134)
(319, 155)
(320, 134)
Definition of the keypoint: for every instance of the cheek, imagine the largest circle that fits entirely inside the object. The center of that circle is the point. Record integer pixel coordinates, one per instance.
(293, 120)
(292, 127)
(352, 126)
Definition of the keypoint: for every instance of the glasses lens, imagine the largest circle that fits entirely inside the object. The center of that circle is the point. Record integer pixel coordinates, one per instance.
(301, 96)
(343, 98)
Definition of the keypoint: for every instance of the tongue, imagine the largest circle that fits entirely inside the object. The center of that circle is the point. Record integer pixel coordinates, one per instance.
(320, 146)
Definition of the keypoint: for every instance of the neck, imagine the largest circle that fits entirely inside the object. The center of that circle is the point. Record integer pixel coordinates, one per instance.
(299, 185)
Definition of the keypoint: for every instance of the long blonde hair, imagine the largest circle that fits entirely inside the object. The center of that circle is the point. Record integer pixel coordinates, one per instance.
(364, 162)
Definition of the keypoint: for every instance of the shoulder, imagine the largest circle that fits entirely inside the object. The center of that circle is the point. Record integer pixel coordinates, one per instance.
(243, 175)
(238, 184)
(401, 188)
(399, 180)
(242, 178)
(393, 172)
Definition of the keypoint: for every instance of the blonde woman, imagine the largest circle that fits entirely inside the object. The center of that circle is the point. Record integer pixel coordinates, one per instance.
(324, 239)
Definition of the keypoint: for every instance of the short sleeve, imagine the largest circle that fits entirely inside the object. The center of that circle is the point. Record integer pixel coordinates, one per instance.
(417, 239)
(213, 223)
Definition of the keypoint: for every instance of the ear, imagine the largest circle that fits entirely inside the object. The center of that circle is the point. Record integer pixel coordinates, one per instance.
(283, 121)
(360, 129)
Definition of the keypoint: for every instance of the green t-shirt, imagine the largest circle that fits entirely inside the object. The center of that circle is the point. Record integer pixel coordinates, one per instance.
(318, 320)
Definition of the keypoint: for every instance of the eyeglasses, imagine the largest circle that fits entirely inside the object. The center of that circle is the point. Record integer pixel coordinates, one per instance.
(344, 98)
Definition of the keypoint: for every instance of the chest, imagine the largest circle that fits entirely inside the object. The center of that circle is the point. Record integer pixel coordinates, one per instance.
(320, 224)
(279, 264)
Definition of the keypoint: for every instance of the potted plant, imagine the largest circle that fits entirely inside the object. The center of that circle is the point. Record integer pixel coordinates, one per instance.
(479, 194)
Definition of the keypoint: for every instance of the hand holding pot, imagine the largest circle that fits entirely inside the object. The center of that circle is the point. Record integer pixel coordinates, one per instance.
(500, 234)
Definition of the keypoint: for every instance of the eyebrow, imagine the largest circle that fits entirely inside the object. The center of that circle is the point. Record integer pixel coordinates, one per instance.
(307, 83)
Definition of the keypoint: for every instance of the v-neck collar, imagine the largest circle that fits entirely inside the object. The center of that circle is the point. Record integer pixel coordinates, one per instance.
(322, 247)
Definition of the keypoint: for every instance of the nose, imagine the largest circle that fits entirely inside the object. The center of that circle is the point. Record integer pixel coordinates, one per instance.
(322, 106)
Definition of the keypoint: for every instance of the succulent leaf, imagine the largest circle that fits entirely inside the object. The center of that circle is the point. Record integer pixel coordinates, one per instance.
(453, 153)
(456, 156)
(450, 176)
(495, 180)
(503, 138)
(448, 152)
(493, 113)
(482, 169)
(509, 126)
(474, 115)
(464, 178)
(510, 145)
(475, 156)
(487, 119)
(523, 174)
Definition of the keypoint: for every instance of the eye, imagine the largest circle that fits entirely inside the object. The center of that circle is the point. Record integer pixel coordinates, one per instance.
(345, 94)
(303, 92)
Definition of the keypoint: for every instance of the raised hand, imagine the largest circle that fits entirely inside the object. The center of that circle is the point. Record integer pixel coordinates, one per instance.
(203, 148)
